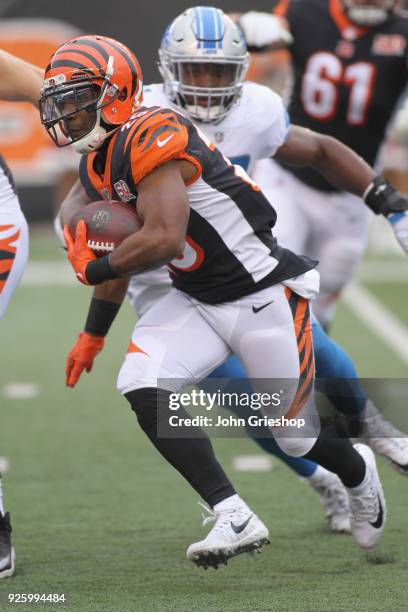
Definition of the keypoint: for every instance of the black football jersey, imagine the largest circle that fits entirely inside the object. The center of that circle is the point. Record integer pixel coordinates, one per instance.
(230, 249)
(347, 79)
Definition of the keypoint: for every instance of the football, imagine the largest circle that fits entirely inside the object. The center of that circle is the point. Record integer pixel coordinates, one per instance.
(108, 223)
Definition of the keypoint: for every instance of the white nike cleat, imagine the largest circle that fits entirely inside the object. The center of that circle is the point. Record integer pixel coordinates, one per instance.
(368, 510)
(333, 497)
(385, 439)
(236, 530)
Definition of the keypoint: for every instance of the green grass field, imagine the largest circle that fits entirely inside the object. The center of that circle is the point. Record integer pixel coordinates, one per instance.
(99, 516)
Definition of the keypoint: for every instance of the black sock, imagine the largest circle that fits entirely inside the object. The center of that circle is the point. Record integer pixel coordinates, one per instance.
(337, 454)
(193, 457)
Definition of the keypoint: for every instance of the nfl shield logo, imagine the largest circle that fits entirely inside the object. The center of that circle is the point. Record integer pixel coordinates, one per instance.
(123, 191)
(100, 220)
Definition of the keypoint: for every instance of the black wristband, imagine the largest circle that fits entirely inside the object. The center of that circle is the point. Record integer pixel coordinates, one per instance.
(100, 317)
(383, 198)
(99, 270)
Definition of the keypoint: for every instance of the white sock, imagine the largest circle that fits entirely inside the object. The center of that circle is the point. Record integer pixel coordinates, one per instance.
(232, 502)
(1, 499)
(319, 477)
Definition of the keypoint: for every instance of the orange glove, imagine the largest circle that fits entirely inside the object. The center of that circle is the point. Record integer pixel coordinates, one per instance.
(79, 253)
(81, 357)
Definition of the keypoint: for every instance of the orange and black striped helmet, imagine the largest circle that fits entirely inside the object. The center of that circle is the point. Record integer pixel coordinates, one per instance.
(91, 86)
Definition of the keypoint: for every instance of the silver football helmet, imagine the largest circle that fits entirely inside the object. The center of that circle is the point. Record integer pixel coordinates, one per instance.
(369, 12)
(203, 61)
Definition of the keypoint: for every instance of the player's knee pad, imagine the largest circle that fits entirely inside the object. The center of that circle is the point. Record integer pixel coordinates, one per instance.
(147, 367)
(295, 447)
(137, 373)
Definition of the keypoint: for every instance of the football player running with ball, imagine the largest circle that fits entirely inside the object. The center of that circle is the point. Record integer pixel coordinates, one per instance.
(20, 82)
(211, 224)
(248, 122)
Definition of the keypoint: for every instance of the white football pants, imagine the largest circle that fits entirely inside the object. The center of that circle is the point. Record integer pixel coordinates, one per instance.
(180, 341)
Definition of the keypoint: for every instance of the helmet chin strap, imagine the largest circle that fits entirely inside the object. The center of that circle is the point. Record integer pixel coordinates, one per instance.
(93, 140)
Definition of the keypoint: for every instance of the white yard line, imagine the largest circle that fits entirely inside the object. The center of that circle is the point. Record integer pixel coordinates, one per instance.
(378, 319)
(48, 273)
(20, 390)
(4, 465)
(381, 271)
(252, 463)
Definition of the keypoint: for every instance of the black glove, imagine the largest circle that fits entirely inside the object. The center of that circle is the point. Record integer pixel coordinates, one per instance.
(383, 198)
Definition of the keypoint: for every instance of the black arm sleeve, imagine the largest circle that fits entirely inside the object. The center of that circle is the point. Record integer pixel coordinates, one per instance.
(100, 317)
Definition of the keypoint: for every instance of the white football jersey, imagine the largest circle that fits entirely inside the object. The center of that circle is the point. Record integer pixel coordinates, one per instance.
(255, 128)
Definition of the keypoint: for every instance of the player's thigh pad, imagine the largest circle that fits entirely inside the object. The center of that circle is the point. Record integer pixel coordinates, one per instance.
(285, 194)
(172, 344)
(270, 332)
(13, 251)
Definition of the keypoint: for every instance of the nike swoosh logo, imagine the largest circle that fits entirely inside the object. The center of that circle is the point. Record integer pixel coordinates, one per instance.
(380, 518)
(162, 143)
(256, 309)
(239, 528)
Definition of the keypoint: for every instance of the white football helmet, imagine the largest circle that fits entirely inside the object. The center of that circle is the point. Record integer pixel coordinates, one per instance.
(369, 12)
(203, 61)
